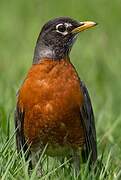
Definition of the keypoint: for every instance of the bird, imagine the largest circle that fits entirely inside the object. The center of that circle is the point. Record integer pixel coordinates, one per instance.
(53, 106)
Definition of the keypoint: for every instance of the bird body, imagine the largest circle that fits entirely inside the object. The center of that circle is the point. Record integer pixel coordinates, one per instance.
(53, 104)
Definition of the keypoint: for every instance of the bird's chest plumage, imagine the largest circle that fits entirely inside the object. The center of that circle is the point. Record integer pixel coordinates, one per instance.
(51, 99)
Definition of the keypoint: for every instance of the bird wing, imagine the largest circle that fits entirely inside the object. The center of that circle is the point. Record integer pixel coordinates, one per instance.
(88, 122)
(19, 123)
(20, 138)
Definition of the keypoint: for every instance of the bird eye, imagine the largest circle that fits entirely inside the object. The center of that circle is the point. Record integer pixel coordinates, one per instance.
(61, 28)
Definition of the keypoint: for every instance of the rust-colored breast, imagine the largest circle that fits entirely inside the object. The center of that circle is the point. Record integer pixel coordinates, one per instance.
(51, 99)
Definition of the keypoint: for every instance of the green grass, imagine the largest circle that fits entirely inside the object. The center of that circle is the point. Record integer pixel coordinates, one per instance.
(97, 57)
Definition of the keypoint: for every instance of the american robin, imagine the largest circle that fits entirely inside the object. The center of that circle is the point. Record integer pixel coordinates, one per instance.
(53, 104)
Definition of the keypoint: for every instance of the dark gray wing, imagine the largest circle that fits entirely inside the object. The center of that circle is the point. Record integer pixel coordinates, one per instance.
(19, 123)
(88, 122)
(20, 139)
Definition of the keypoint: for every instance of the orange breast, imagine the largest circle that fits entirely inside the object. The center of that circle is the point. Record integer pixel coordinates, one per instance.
(51, 99)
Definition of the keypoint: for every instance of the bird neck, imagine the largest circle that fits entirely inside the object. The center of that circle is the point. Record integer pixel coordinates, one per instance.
(50, 52)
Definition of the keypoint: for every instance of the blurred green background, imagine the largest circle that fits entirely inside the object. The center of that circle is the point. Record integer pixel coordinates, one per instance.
(96, 56)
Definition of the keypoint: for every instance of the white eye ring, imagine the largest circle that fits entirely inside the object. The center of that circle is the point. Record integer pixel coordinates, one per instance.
(62, 29)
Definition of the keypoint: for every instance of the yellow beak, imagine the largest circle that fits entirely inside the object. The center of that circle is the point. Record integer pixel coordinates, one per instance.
(83, 26)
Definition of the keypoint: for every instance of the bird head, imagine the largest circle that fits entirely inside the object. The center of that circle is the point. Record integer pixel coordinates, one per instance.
(57, 37)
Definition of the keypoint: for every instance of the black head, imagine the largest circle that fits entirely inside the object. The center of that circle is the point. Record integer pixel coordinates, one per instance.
(57, 37)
